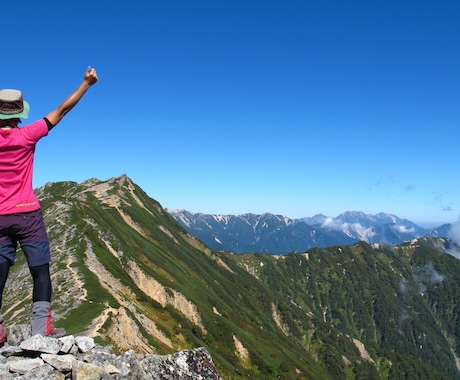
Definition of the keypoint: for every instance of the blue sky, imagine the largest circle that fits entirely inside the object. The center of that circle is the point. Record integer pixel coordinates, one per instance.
(227, 107)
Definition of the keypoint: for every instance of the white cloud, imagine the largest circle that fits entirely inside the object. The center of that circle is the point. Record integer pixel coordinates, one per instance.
(454, 234)
(426, 276)
(404, 229)
(332, 223)
(351, 229)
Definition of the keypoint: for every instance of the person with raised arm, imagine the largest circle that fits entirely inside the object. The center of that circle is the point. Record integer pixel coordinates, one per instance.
(21, 220)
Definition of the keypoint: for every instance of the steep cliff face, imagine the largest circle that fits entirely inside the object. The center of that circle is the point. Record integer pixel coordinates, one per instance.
(126, 273)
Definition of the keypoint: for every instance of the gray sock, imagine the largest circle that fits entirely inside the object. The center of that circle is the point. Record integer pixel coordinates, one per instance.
(41, 318)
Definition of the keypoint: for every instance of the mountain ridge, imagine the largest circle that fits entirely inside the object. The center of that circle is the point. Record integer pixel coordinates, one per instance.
(126, 273)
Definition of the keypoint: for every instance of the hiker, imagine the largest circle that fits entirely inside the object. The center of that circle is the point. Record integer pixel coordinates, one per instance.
(21, 220)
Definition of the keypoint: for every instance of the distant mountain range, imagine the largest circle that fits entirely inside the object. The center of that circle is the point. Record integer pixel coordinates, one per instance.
(276, 234)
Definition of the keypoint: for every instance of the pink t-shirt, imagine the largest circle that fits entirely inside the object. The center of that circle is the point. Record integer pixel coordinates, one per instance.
(17, 148)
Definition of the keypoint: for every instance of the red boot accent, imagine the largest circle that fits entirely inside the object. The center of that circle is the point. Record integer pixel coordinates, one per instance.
(49, 326)
(2, 334)
(53, 331)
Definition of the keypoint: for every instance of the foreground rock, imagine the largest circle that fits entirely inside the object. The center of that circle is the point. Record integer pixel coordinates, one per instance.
(79, 358)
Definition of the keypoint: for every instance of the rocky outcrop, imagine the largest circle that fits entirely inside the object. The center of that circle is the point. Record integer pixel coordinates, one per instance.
(79, 358)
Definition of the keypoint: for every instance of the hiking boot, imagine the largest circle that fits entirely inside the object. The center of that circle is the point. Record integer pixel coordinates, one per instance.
(41, 321)
(57, 332)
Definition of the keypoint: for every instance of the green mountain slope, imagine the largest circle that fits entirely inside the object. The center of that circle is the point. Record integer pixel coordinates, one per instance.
(125, 272)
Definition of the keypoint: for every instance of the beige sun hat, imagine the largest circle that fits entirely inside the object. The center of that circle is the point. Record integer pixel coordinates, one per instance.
(12, 106)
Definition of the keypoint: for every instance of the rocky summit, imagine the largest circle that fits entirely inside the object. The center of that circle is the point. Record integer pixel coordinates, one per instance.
(79, 358)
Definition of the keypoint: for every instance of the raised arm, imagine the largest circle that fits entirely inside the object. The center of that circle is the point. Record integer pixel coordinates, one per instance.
(89, 79)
